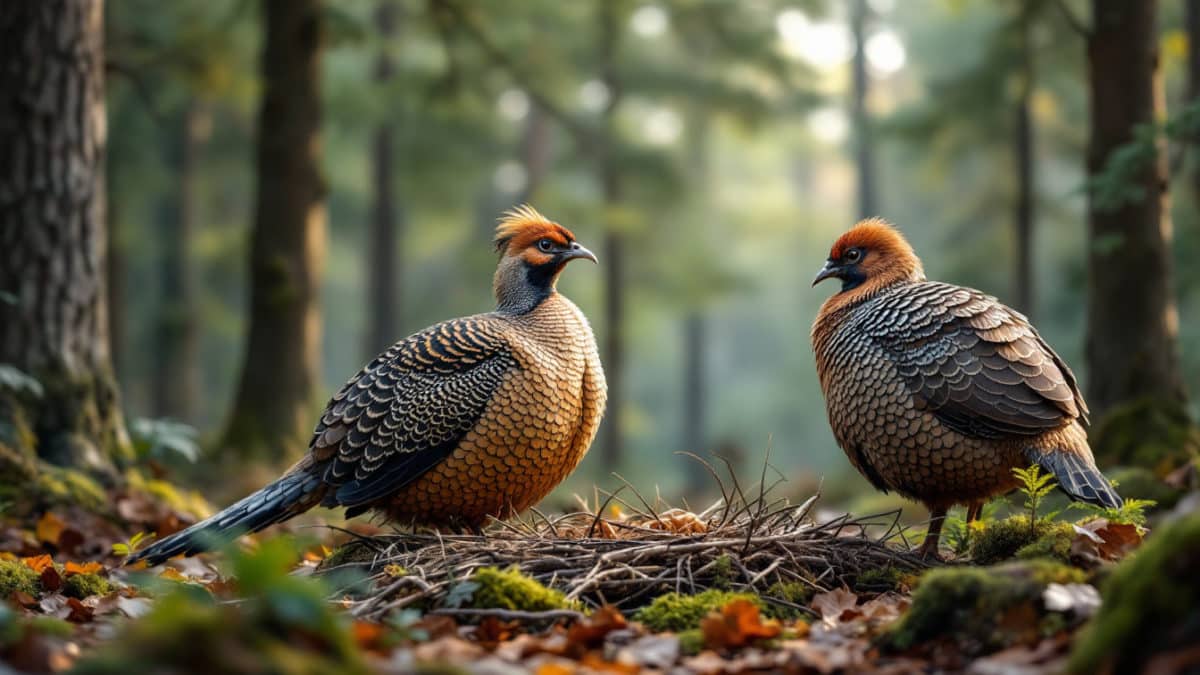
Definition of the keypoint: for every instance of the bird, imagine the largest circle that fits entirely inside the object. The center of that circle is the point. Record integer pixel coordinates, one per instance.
(470, 419)
(936, 391)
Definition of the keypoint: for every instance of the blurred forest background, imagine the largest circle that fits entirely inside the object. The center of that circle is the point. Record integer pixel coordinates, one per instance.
(293, 185)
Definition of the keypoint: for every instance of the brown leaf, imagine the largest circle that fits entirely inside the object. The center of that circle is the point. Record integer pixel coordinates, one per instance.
(49, 528)
(1100, 539)
(738, 624)
(51, 580)
(591, 631)
(367, 635)
(24, 599)
(840, 604)
(80, 613)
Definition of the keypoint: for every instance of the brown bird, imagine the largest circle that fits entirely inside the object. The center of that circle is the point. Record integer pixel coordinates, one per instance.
(937, 391)
(468, 419)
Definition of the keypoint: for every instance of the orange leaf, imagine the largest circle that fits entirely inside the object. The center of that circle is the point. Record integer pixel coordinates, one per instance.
(38, 563)
(172, 574)
(50, 528)
(737, 625)
(554, 668)
(366, 634)
(72, 568)
(590, 632)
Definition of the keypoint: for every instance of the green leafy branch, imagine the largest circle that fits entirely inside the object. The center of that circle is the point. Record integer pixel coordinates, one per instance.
(1035, 485)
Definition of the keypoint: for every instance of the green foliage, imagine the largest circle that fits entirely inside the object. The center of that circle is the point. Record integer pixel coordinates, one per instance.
(283, 624)
(1139, 483)
(691, 641)
(17, 381)
(1035, 486)
(1132, 511)
(131, 545)
(1151, 604)
(509, 589)
(15, 576)
(163, 438)
(1019, 537)
(722, 571)
(880, 579)
(977, 607)
(67, 486)
(86, 585)
(1122, 180)
(679, 612)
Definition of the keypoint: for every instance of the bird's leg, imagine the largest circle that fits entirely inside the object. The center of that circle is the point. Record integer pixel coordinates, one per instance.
(974, 511)
(929, 548)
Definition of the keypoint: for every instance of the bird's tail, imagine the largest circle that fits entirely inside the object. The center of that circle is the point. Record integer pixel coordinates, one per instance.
(1078, 476)
(292, 494)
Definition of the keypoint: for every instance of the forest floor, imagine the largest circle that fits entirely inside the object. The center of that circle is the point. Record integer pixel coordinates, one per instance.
(752, 584)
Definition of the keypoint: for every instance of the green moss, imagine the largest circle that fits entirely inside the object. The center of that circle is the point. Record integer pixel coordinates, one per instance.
(85, 585)
(1152, 433)
(722, 571)
(509, 589)
(1151, 604)
(1136, 482)
(973, 606)
(356, 552)
(691, 642)
(15, 576)
(1013, 537)
(880, 579)
(794, 592)
(187, 501)
(62, 485)
(679, 612)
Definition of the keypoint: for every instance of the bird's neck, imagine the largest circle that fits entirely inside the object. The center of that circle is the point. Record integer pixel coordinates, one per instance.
(520, 288)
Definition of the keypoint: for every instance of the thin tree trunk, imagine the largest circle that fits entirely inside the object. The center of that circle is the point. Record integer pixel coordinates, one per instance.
(1132, 346)
(53, 311)
(115, 270)
(614, 260)
(384, 309)
(272, 413)
(1023, 160)
(536, 151)
(177, 366)
(864, 146)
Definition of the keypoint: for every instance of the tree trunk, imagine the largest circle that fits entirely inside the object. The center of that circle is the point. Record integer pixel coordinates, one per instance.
(1132, 344)
(272, 413)
(384, 309)
(115, 270)
(1023, 160)
(614, 262)
(53, 310)
(536, 151)
(177, 368)
(1192, 22)
(864, 146)
(695, 396)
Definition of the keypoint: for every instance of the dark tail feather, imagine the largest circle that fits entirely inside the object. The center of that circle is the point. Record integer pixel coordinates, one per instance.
(1077, 476)
(291, 495)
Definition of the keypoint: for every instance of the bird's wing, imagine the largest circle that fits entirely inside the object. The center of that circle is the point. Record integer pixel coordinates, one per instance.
(979, 366)
(409, 408)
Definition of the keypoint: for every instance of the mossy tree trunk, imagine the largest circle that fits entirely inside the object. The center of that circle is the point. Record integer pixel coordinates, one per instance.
(53, 306)
(1132, 332)
(272, 414)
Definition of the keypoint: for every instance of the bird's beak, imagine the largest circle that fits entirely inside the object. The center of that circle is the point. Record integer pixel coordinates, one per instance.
(831, 269)
(577, 251)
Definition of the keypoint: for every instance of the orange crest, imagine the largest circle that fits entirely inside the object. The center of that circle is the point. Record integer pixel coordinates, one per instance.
(522, 226)
(874, 234)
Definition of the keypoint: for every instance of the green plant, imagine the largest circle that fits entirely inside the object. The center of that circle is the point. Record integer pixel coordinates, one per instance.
(131, 545)
(1035, 486)
(1133, 511)
(679, 612)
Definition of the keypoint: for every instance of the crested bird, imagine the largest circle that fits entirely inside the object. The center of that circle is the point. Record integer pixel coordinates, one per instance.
(469, 419)
(937, 391)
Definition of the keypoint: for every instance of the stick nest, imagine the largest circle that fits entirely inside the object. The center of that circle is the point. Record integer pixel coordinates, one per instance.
(613, 553)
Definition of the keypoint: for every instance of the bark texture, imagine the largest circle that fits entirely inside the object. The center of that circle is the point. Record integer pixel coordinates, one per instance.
(272, 414)
(53, 311)
(1132, 343)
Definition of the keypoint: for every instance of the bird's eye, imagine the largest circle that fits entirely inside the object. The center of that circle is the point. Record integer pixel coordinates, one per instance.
(853, 255)
(545, 245)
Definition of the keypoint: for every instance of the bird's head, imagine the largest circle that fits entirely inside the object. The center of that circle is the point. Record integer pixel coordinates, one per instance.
(533, 252)
(870, 256)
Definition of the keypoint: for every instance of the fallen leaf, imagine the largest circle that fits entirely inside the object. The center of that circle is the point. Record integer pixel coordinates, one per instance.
(172, 574)
(72, 568)
(1102, 540)
(840, 604)
(24, 599)
(49, 528)
(38, 563)
(659, 652)
(590, 632)
(79, 612)
(367, 635)
(50, 579)
(737, 625)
